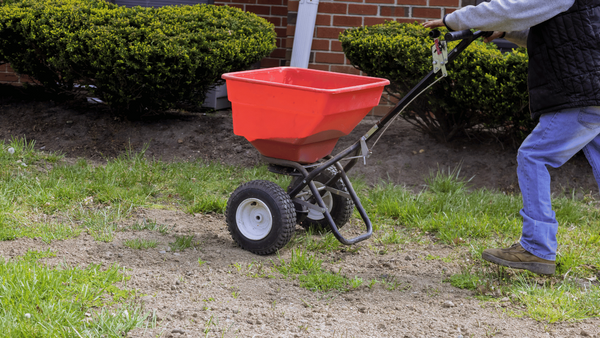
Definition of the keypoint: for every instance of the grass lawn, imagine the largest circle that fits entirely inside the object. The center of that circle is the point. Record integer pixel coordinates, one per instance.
(44, 197)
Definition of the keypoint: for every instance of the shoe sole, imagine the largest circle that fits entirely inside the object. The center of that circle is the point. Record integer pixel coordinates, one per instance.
(539, 268)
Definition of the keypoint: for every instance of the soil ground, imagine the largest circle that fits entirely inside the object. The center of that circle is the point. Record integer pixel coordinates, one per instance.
(232, 302)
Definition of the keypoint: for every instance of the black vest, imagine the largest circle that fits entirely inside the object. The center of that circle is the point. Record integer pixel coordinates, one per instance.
(564, 60)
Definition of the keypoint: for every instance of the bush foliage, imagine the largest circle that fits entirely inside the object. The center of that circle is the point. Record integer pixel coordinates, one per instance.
(136, 59)
(484, 90)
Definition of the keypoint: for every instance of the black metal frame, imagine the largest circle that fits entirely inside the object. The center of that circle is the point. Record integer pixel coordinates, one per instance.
(283, 166)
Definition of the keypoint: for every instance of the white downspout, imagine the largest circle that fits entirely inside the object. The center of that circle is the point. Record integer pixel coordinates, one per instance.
(305, 28)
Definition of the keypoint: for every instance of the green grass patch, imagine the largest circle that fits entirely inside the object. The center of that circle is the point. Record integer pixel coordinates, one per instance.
(307, 268)
(39, 301)
(150, 225)
(141, 244)
(565, 301)
(183, 242)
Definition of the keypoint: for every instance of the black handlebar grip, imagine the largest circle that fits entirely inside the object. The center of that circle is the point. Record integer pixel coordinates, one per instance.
(459, 35)
(434, 33)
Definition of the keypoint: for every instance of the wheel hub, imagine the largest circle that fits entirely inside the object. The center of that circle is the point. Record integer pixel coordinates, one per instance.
(254, 219)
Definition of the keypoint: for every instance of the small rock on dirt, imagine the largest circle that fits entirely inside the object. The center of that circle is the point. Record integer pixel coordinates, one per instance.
(448, 304)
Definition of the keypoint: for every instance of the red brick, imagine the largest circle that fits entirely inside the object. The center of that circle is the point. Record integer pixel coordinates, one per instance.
(285, 2)
(347, 21)
(264, 10)
(349, 0)
(283, 20)
(293, 5)
(336, 46)
(9, 77)
(273, 19)
(9, 69)
(402, 20)
(280, 42)
(422, 12)
(269, 2)
(281, 32)
(376, 21)
(290, 30)
(279, 11)
(362, 9)
(278, 53)
(323, 20)
(332, 58)
(449, 10)
(345, 70)
(26, 79)
(381, 2)
(332, 7)
(318, 67)
(412, 2)
(329, 32)
(244, 1)
(319, 44)
(268, 63)
(289, 42)
(451, 3)
(393, 11)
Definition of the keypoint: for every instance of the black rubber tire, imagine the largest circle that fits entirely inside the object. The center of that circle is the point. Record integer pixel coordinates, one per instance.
(341, 209)
(276, 202)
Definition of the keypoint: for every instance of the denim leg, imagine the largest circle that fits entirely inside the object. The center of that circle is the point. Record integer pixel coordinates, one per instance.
(557, 137)
(592, 153)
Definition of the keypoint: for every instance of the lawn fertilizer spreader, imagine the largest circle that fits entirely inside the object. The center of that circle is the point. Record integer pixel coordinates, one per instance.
(294, 118)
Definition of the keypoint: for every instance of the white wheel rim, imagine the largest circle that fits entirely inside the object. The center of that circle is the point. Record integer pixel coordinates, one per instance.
(254, 219)
(327, 199)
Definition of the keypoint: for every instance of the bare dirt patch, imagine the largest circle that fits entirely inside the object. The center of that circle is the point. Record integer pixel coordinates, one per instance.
(227, 296)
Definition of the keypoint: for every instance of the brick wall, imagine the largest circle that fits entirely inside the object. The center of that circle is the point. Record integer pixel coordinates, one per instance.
(7, 75)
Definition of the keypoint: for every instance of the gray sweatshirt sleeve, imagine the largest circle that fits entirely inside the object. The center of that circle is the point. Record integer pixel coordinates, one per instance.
(518, 37)
(506, 15)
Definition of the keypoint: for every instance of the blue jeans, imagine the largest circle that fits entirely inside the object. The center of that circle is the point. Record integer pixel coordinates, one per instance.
(557, 137)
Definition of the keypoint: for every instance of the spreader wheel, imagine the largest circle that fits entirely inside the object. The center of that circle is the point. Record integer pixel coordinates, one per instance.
(340, 208)
(260, 217)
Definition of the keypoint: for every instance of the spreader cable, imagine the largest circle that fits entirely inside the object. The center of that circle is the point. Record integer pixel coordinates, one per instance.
(395, 117)
(366, 152)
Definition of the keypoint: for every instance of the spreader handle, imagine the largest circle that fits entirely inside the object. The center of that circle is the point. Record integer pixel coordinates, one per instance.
(458, 35)
(466, 34)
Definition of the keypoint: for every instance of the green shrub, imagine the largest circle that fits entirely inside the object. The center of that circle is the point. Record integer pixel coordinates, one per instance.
(484, 90)
(7, 2)
(4, 3)
(137, 59)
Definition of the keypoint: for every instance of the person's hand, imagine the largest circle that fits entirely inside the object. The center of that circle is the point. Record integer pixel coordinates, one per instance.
(495, 35)
(433, 23)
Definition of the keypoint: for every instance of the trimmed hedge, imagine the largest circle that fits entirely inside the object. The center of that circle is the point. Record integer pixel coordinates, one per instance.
(485, 89)
(137, 59)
